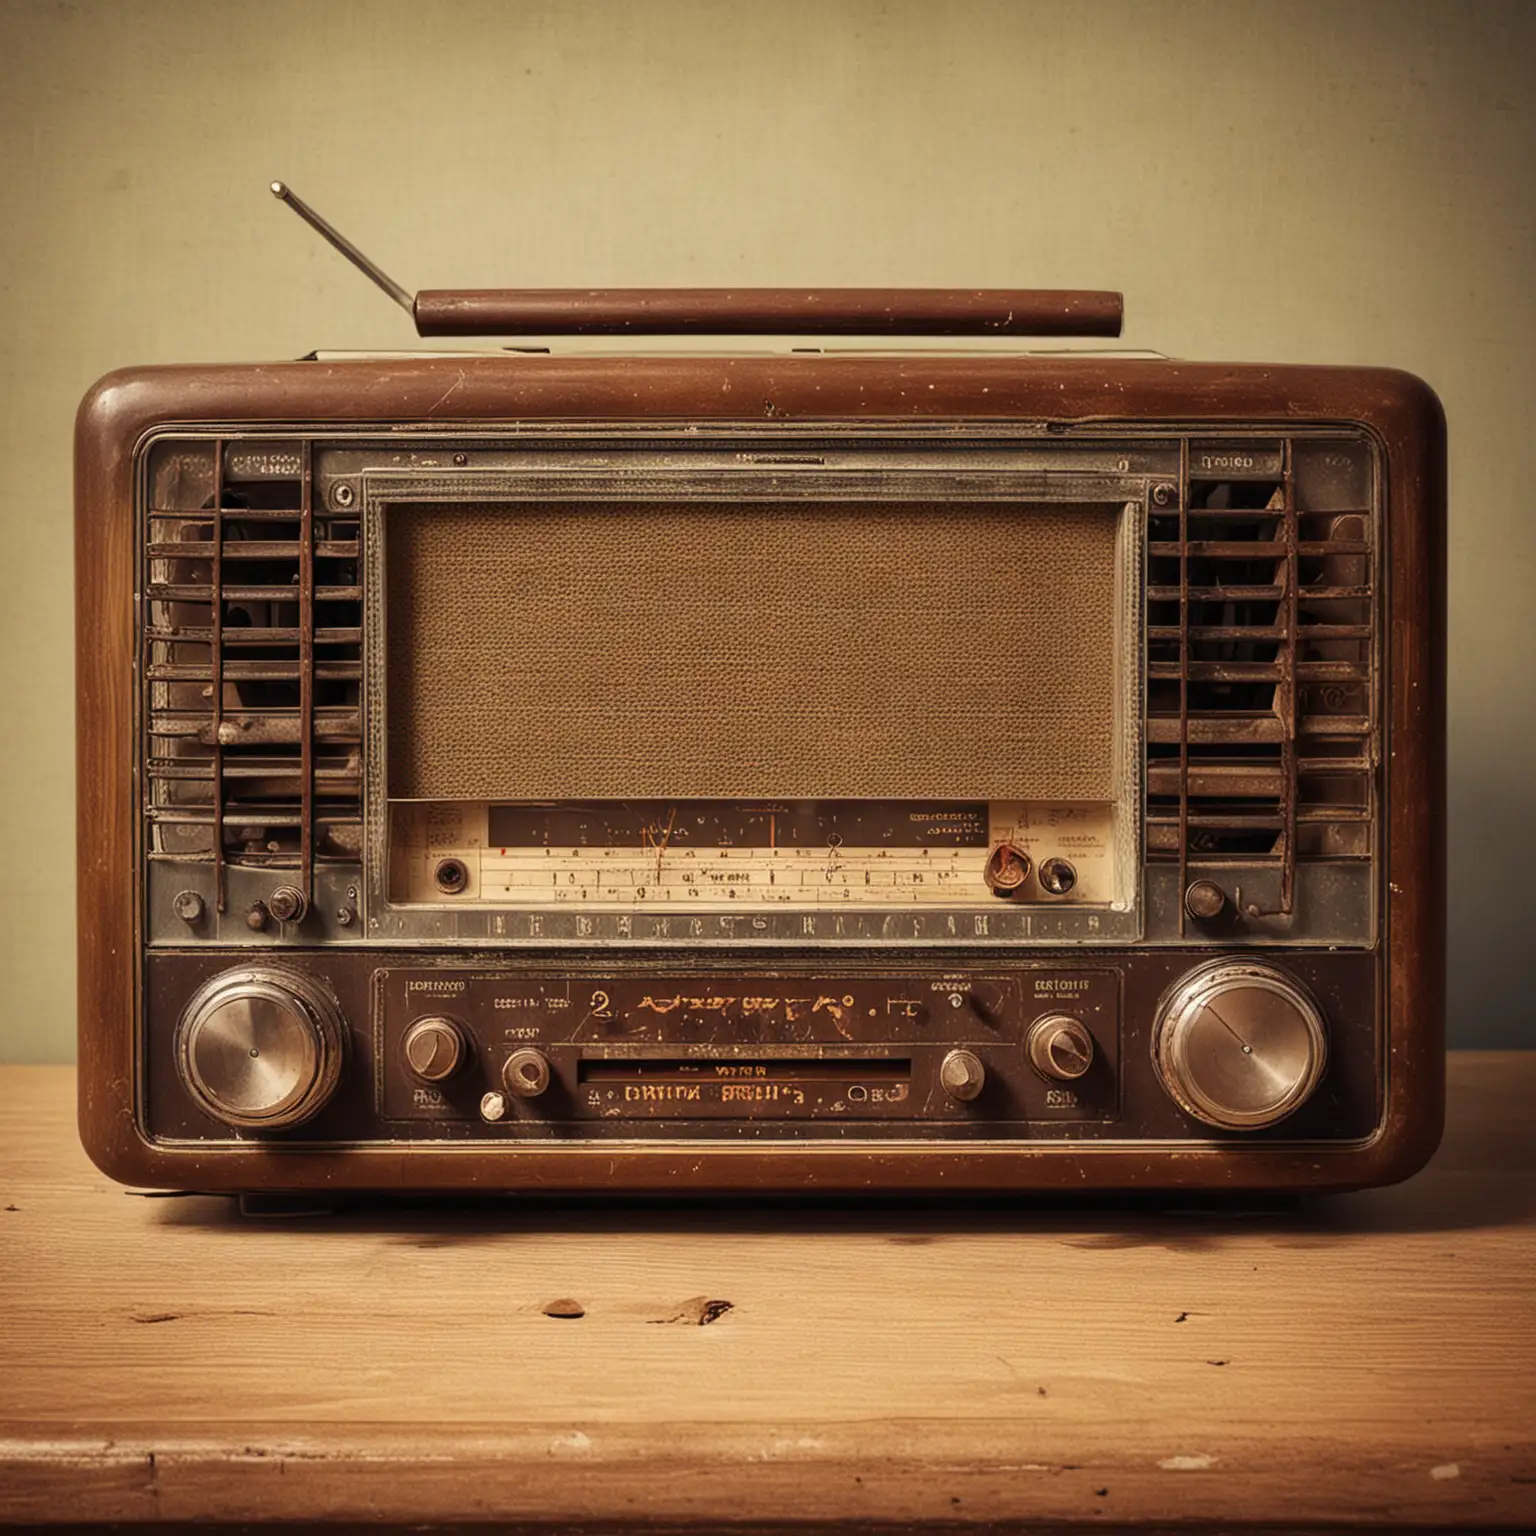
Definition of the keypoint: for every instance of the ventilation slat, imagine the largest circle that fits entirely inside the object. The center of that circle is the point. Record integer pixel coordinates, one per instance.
(1235, 779)
(1259, 671)
(1257, 549)
(256, 672)
(256, 858)
(247, 816)
(1258, 594)
(194, 773)
(202, 592)
(343, 725)
(1334, 725)
(1304, 626)
(232, 514)
(1251, 821)
(201, 634)
(1215, 730)
(253, 549)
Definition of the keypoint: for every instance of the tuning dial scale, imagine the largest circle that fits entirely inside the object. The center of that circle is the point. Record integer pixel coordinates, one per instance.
(261, 1049)
(1239, 1044)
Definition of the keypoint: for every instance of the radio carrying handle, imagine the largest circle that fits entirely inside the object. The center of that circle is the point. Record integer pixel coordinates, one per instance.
(735, 311)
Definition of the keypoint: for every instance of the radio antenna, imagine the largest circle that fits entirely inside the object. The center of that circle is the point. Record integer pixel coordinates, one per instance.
(285, 194)
(734, 311)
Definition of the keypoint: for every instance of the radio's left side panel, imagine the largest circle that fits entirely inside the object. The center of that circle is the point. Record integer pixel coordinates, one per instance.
(110, 421)
(218, 645)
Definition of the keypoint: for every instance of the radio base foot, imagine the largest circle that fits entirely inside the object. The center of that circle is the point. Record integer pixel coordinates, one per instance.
(274, 1207)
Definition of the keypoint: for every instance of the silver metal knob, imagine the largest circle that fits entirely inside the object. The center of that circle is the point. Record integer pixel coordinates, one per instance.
(261, 1049)
(962, 1075)
(1060, 1047)
(1239, 1044)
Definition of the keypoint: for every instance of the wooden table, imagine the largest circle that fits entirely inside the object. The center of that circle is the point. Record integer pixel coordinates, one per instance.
(1369, 1359)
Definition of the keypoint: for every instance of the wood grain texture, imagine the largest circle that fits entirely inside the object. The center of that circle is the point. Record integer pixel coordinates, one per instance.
(767, 311)
(1369, 1359)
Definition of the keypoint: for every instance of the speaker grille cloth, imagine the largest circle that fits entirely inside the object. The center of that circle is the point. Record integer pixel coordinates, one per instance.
(890, 650)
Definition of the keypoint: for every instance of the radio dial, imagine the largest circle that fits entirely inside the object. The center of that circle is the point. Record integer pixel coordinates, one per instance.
(1006, 870)
(1239, 1044)
(1060, 1047)
(261, 1049)
(434, 1049)
(962, 1075)
(526, 1074)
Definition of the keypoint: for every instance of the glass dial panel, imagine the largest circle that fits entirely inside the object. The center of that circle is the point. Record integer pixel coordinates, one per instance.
(696, 854)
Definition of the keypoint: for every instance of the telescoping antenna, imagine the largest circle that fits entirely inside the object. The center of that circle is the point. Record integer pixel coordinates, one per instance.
(285, 194)
(734, 311)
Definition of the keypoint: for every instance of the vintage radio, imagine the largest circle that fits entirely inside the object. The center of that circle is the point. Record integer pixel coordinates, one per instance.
(794, 770)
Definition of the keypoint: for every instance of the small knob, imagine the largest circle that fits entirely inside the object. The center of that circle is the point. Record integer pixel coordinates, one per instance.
(434, 1049)
(451, 875)
(526, 1074)
(261, 1049)
(962, 1076)
(1239, 1044)
(988, 1002)
(1205, 900)
(288, 904)
(1058, 876)
(1060, 1047)
(1006, 870)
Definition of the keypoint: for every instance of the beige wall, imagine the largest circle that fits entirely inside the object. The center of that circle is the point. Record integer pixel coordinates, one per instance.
(1347, 183)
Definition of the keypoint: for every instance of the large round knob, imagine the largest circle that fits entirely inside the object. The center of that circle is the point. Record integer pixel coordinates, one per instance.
(1239, 1044)
(261, 1049)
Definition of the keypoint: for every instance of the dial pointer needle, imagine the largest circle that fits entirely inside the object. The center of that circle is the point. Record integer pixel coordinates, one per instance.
(1247, 1049)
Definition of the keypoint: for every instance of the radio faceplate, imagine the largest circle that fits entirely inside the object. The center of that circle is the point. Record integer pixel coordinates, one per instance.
(836, 1047)
(774, 1051)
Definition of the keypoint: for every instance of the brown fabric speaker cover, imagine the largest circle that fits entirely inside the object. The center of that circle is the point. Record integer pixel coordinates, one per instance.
(878, 650)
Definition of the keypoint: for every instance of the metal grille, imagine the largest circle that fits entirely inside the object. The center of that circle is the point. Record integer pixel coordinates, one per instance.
(819, 650)
(1261, 726)
(252, 662)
